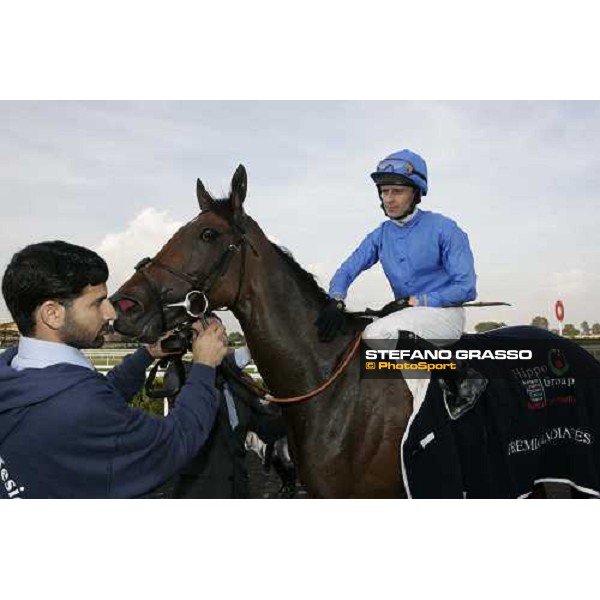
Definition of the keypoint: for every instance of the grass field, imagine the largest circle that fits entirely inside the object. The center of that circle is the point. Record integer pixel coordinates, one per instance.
(104, 359)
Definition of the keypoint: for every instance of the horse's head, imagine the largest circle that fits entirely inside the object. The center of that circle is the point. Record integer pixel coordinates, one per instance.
(200, 267)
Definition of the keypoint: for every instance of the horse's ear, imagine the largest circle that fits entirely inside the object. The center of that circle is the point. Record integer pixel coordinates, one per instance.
(239, 187)
(204, 198)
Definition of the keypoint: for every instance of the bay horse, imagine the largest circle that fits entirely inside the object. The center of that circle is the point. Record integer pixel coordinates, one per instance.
(346, 440)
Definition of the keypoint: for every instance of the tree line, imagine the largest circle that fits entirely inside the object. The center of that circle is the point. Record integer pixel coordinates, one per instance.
(569, 329)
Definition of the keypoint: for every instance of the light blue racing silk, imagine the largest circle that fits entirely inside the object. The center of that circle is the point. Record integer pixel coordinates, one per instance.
(427, 256)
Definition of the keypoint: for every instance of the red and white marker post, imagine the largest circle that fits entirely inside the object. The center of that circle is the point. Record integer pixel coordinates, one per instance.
(559, 310)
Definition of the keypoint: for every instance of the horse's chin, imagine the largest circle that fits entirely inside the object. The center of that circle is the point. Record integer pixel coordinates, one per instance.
(150, 332)
(146, 332)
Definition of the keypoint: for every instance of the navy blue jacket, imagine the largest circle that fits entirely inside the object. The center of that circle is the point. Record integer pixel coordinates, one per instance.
(69, 432)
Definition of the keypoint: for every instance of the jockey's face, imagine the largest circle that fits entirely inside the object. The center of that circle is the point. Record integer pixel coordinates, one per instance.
(396, 199)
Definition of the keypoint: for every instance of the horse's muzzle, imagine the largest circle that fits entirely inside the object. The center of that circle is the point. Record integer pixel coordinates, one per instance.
(130, 313)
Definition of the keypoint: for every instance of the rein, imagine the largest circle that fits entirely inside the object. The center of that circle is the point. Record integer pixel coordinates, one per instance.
(261, 393)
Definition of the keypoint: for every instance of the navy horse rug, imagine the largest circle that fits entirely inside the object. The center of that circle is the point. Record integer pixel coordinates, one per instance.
(528, 421)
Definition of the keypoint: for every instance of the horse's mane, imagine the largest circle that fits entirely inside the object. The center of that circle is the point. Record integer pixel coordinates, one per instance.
(353, 321)
(307, 279)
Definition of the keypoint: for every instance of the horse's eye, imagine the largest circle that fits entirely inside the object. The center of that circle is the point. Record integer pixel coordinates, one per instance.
(208, 235)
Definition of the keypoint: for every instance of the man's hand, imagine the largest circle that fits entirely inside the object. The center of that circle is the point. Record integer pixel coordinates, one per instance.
(210, 344)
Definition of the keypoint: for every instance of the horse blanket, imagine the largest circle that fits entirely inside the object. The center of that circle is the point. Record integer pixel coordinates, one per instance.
(535, 421)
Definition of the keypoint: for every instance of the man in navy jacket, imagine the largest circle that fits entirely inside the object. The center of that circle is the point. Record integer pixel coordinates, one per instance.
(66, 431)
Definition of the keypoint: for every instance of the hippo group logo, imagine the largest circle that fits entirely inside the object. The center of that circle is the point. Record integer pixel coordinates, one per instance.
(557, 362)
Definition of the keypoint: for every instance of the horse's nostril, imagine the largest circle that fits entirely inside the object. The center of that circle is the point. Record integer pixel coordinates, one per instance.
(125, 304)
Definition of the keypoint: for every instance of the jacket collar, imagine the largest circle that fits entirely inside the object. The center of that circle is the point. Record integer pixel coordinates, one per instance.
(38, 354)
(404, 222)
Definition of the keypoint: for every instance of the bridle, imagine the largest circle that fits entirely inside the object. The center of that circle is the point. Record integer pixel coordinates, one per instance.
(201, 285)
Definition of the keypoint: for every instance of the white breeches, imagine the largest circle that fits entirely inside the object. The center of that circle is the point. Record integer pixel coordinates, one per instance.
(440, 326)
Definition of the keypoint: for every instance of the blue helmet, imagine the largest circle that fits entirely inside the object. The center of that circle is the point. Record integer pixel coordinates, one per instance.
(402, 168)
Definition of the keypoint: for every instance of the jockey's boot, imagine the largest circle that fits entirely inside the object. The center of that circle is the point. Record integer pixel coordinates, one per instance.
(460, 384)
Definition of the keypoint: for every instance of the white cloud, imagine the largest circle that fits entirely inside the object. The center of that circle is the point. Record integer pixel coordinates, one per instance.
(143, 236)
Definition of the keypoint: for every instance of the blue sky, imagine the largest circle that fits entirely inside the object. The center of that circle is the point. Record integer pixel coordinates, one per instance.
(520, 177)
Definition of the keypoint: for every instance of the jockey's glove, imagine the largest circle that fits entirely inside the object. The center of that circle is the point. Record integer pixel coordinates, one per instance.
(394, 306)
(331, 320)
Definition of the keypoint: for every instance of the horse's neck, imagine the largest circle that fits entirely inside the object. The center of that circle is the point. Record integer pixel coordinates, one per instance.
(277, 312)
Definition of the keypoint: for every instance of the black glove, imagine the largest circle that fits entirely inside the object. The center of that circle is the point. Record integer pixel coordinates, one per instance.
(394, 306)
(331, 319)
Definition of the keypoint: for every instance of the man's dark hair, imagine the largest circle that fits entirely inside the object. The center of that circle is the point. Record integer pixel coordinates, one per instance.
(48, 271)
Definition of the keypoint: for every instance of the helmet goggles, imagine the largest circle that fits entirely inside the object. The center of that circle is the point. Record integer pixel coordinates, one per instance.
(398, 166)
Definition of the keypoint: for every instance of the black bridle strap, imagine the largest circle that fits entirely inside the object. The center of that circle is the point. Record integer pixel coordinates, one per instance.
(157, 263)
(154, 292)
(242, 273)
(165, 392)
(221, 266)
(203, 284)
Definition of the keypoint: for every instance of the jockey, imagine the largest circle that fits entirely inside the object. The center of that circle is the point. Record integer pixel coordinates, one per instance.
(425, 256)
